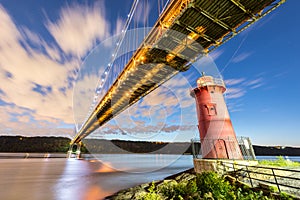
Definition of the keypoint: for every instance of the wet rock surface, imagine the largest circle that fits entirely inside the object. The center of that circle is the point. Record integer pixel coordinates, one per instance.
(139, 191)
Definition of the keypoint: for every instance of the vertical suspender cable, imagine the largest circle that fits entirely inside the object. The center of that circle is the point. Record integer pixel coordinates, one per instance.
(115, 52)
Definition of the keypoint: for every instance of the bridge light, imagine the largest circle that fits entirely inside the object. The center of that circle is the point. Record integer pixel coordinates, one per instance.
(170, 57)
(193, 36)
(143, 58)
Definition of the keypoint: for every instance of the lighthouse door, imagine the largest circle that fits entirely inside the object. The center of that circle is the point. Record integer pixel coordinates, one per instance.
(221, 150)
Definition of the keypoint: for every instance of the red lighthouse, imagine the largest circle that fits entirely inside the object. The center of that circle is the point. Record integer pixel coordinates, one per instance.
(218, 139)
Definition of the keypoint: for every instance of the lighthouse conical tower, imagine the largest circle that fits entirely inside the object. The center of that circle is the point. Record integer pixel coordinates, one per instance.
(217, 136)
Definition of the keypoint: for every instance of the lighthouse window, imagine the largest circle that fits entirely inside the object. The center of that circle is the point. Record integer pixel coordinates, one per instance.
(211, 109)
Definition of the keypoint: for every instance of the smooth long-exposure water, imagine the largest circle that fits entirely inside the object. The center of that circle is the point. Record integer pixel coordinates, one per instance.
(71, 179)
(89, 179)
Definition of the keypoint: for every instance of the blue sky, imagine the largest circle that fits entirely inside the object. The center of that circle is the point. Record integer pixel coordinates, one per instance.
(43, 43)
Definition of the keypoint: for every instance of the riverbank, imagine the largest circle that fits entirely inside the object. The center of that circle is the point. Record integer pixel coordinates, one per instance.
(31, 155)
(138, 191)
(13, 144)
(189, 185)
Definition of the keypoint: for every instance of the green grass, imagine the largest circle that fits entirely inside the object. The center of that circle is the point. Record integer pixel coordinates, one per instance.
(280, 162)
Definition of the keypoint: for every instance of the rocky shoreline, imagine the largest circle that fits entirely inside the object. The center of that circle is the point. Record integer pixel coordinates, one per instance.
(138, 192)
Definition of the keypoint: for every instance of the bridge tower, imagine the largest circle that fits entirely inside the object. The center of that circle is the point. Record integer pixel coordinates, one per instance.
(217, 136)
(74, 150)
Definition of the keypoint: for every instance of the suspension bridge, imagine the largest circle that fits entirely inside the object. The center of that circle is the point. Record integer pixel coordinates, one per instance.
(185, 31)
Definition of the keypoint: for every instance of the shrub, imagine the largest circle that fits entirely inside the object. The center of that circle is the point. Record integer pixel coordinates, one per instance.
(280, 162)
(211, 183)
(182, 190)
(152, 195)
(208, 185)
(285, 196)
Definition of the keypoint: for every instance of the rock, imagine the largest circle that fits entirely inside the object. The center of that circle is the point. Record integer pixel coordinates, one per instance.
(145, 185)
(185, 177)
(139, 194)
(166, 183)
(230, 178)
(123, 196)
(127, 193)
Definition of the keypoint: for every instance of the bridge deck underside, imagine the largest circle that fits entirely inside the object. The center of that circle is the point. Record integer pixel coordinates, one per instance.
(185, 31)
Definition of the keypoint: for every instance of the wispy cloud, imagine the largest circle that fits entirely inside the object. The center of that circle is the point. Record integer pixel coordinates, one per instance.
(119, 26)
(216, 54)
(241, 57)
(237, 88)
(230, 82)
(233, 93)
(16, 120)
(162, 112)
(281, 74)
(36, 78)
(255, 83)
(79, 27)
(142, 12)
(235, 105)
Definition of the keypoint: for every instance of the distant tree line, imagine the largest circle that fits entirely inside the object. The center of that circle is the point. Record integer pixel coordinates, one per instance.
(33, 144)
(61, 145)
(120, 146)
(276, 151)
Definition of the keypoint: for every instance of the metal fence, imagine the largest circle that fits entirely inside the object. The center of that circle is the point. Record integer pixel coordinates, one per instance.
(244, 144)
(283, 179)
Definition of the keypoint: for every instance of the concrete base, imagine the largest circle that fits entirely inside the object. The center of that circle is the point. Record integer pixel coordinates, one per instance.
(221, 165)
(76, 154)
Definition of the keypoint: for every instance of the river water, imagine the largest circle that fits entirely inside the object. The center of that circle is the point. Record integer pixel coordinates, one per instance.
(88, 179)
(71, 179)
